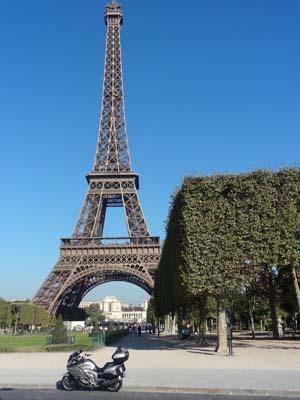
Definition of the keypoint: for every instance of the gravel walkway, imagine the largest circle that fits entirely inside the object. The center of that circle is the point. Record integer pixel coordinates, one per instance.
(168, 363)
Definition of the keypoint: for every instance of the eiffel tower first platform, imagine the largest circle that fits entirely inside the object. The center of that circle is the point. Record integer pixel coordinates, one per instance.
(87, 259)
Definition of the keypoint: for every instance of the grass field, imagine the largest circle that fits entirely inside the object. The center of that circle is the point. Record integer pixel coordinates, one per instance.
(39, 342)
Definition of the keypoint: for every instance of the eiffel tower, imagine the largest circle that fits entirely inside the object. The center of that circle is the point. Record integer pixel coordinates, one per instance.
(88, 259)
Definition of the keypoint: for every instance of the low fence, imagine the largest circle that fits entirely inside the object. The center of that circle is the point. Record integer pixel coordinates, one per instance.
(71, 340)
(103, 338)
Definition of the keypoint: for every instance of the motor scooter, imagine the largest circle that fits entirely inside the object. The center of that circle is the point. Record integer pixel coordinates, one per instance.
(84, 372)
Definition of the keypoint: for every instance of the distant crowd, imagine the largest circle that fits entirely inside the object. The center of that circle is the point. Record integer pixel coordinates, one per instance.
(138, 329)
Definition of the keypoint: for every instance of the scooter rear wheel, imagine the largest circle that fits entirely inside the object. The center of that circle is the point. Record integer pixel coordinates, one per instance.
(115, 387)
(67, 383)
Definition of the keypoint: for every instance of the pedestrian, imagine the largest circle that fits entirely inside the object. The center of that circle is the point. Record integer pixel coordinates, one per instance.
(139, 330)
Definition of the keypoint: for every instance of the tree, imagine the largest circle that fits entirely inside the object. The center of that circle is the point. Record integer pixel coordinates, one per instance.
(15, 315)
(168, 279)
(225, 232)
(94, 313)
(249, 305)
(5, 314)
(215, 223)
(287, 298)
(151, 318)
(59, 335)
(22, 315)
(41, 317)
(95, 330)
(288, 187)
(276, 242)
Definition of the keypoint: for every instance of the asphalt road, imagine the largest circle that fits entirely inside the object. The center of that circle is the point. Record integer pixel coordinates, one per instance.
(20, 394)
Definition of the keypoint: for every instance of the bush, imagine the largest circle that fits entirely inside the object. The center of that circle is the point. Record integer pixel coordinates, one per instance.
(112, 337)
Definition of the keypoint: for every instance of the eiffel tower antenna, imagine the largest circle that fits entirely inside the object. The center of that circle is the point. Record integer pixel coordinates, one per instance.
(87, 259)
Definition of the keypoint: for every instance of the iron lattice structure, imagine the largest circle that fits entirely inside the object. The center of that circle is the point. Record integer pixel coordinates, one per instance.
(87, 259)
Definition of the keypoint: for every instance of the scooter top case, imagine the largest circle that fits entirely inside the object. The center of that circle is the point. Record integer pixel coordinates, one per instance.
(120, 356)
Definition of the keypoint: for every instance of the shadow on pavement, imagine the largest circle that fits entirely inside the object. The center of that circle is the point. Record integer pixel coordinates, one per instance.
(272, 345)
(172, 342)
(162, 342)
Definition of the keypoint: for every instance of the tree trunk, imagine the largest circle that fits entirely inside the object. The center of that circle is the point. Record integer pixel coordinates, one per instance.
(222, 333)
(202, 324)
(179, 321)
(261, 326)
(296, 287)
(252, 323)
(173, 324)
(295, 322)
(167, 323)
(251, 313)
(272, 299)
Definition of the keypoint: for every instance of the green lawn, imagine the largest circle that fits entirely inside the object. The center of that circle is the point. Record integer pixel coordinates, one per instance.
(33, 343)
(38, 342)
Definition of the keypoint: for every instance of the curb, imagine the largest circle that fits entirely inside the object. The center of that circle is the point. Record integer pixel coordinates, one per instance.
(165, 389)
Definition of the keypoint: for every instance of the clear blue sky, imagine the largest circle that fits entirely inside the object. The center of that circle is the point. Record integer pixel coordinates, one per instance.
(210, 86)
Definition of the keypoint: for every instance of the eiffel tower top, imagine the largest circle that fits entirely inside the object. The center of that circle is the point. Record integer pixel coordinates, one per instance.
(112, 154)
(113, 13)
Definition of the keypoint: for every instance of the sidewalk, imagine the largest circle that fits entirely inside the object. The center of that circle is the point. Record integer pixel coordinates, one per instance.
(166, 363)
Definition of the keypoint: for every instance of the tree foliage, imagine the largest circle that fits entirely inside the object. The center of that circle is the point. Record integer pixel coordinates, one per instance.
(227, 232)
(169, 295)
(94, 313)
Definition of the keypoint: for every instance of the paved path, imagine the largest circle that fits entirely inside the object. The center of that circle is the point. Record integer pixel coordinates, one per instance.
(167, 363)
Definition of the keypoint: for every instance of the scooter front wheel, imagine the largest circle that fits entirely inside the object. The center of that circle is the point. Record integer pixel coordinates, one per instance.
(67, 383)
(115, 387)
